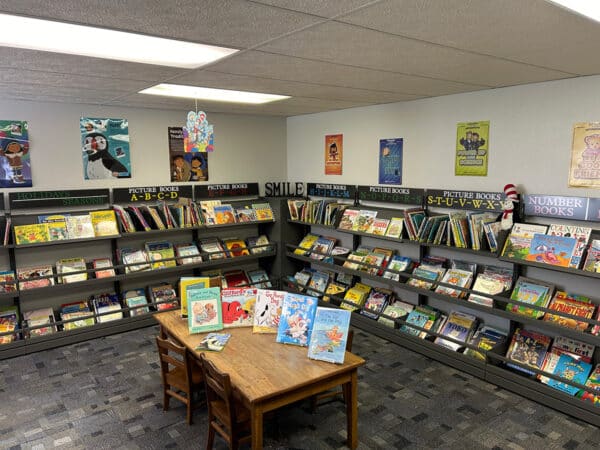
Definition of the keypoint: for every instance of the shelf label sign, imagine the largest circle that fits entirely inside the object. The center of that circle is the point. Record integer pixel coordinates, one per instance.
(284, 189)
(481, 201)
(226, 190)
(343, 191)
(151, 193)
(562, 207)
(389, 194)
(35, 199)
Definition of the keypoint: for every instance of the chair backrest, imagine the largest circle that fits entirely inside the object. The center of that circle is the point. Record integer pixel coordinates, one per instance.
(171, 354)
(218, 389)
(349, 340)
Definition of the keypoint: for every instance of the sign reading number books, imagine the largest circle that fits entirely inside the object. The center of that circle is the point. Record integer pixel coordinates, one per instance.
(390, 161)
(329, 335)
(333, 154)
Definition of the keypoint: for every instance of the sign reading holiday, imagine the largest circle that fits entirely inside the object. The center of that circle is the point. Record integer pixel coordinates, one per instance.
(46, 199)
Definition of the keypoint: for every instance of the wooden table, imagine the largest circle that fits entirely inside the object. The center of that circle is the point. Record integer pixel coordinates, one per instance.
(268, 375)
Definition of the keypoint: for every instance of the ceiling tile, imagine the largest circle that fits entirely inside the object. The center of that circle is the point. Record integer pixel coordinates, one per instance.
(534, 31)
(356, 46)
(323, 8)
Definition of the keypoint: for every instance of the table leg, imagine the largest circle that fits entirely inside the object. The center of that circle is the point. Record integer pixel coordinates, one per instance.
(351, 389)
(256, 416)
(162, 333)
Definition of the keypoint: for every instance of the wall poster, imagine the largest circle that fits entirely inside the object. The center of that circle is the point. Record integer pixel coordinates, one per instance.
(15, 164)
(185, 166)
(472, 146)
(334, 154)
(105, 148)
(585, 155)
(390, 161)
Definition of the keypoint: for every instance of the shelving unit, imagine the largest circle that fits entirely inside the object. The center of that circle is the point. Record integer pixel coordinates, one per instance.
(493, 369)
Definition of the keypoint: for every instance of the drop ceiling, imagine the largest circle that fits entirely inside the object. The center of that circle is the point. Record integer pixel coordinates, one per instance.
(325, 54)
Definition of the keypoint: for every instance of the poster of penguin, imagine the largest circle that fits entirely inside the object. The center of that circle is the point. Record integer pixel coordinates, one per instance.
(105, 148)
(15, 164)
(185, 166)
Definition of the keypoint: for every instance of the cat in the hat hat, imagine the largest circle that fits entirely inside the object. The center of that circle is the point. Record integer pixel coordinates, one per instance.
(506, 222)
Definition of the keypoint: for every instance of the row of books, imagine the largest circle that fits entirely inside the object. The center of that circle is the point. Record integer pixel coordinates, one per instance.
(366, 221)
(294, 318)
(55, 227)
(322, 212)
(556, 244)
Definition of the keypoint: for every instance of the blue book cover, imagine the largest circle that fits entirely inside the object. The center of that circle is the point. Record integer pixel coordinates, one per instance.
(390, 161)
(329, 335)
(297, 319)
(415, 317)
(204, 309)
(571, 369)
(553, 250)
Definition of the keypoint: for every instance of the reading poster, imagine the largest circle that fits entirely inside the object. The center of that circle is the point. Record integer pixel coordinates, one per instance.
(185, 166)
(333, 154)
(585, 155)
(390, 161)
(15, 165)
(105, 148)
(472, 145)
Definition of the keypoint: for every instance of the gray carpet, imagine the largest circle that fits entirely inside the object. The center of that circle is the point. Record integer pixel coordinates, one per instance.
(106, 394)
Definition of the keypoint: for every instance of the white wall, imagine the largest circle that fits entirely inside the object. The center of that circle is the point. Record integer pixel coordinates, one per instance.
(530, 138)
(247, 148)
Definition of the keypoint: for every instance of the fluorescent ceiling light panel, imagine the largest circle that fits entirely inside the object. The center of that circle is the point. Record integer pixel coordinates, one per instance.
(58, 37)
(217, 95)
(588, 8)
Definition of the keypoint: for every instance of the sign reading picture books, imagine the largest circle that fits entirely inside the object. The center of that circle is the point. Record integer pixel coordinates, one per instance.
(390, 161)
(15, 165)
(105, 148)
(472, 145)
(585, 155)
(186, 165)
(333, 154)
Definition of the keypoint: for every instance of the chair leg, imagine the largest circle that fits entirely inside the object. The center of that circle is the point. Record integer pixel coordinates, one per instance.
(166, 399)
(189, 411)
(313, 404)
(211, 436)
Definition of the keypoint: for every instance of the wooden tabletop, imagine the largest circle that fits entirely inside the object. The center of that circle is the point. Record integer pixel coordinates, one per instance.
(259, 367)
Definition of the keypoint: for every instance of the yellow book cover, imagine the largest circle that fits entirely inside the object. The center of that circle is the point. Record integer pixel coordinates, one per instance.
(104, 222)
(357, 295)
(306, 243)
(31, 234)
(57, 226)
(184, 284)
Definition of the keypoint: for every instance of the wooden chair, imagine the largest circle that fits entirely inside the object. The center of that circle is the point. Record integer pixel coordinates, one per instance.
(178, 379)
(226, 416)
(334, 394)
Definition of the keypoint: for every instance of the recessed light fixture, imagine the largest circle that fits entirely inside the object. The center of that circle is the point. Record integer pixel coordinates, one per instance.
(50, 36)
(218, 95)
(586, 8)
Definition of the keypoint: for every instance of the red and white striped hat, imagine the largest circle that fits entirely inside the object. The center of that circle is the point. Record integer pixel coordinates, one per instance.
(511, 192)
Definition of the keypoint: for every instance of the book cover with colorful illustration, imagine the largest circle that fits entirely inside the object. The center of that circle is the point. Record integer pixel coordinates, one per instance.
(213, 342)
(204, 309)
(329, 335)
(190, 283)
(571, 369)
(297, 319)
(576, 305)
(31, 234)
(105, 148)
(15, 171)
(161, 254)
(57, 225)
(267, 310)
(528, 348)
(237, 306)
(533, 292)
(553, 250)
(104, 222)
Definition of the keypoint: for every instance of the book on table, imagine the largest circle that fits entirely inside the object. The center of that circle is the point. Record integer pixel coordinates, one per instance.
(237, 305)
(204, 309)
(297, 319)
(213, 342)
(267, 310)
(187, 284)
(329, 335)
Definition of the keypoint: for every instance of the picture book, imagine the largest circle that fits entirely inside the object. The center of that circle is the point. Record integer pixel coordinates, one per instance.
(7, 281)
(396, 310)
(397, 264)
(187, 254)
(349, 217)
(213, 247)
(580, 234)
(354, 258)
(267, 310)
(207, 207)
(236, 247)
(562, 345)
(425, 272)
(372, 263)
(455, 277)
(420, 316)
(364, 221)
(107, 307)
(71, 265)
(9, 320)
(104, 222)
(78, 314)
(153, 216)
(458, 327)
(43, 319)
(103, 268)
(318, 283)
(491, 230)
(297, 319)
(80, 227)
(190, 283)
(263, 211)
(306, 244)
(322, 247)
(485, 339)
(486, 284)
(592, 260)
(379, 227)
(236, 278)
(258, 244)
(245, 215)
(31, 277)
(293, 207)
(237, 305)
(204, 309)
(164, 296)
(31, 234)
(530, 291)
(518, 242)
(395, 227)
(576, 305)
(355, 297)
(329, 335)
(7, 227)
(134, 260)
(137, 301)
(334, 288)
(57, 225)
(302, 278)
(213, 342)
(528, 348)
(161, 254)
(375, 303)
(593, 383)
(224, 214)
(413, 217)
(553, 250)
(259, 279)
(571, 369)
